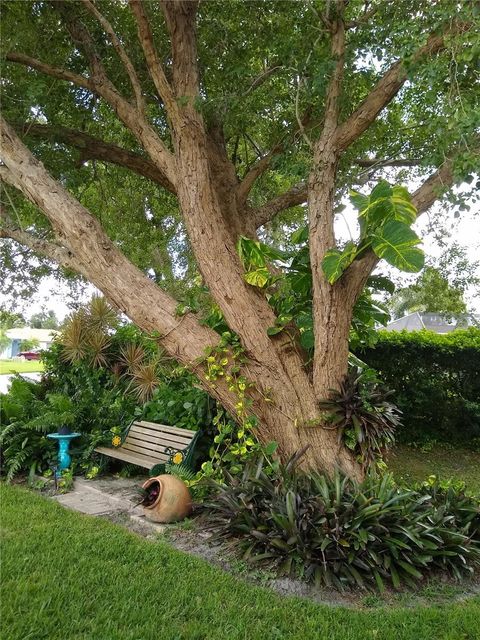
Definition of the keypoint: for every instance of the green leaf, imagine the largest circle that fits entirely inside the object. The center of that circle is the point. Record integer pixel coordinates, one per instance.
(335, 262)
(358, 200)
(272, 331)
(404, 210)
(381, 190)
(258, 278)
(270, 448)
(396, 243)
(299, 236)
(307, 339)
(381, 283)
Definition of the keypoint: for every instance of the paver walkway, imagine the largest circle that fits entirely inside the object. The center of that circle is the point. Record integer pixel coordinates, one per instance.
(113, 498)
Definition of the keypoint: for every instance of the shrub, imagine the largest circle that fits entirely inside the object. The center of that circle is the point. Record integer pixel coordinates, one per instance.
(436, 380)
(341, 533)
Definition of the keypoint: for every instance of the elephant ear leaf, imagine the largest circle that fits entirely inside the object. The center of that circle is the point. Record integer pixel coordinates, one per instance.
(335, 261)
(396, 243)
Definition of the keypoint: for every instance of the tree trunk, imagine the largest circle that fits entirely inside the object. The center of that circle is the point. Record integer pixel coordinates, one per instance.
(284, 399)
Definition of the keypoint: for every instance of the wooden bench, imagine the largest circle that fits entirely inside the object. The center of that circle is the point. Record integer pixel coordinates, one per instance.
(148, 444)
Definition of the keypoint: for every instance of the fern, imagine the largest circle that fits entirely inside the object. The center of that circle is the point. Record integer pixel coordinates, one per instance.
(180, 471)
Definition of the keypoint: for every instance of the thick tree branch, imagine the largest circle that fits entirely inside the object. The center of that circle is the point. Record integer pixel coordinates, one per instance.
(294, 196)
(97, 257)
(386, 89)
(49, 70)
(92, 148)
(46, 248)
(122, 54)
(255, 172)
(321, 199)
(130, 116)
(154, 65)
(180, 16)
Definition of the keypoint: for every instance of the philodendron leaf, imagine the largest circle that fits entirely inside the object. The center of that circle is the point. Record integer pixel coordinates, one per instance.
(384, 203)
(403, 209)
(335, 262)
(380, 191)
(258, 277)
(358, 200)
(381, 283)
(300, 235)
(396, 243)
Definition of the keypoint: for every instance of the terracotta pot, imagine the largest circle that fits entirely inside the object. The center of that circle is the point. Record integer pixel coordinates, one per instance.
(173, 503)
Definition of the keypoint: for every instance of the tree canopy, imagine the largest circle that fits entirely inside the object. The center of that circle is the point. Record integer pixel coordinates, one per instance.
(265, 70)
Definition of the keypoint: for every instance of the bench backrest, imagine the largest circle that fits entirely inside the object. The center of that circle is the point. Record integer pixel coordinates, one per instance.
(149, 438)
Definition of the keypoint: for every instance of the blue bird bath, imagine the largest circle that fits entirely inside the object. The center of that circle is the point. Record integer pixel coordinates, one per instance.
(64, 458)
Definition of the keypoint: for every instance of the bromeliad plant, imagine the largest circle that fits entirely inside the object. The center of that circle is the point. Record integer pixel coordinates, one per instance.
(363, 415)
(337, 532)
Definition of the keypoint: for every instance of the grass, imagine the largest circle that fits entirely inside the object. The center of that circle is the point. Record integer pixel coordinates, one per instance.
(20, 366)
(411, 463)
(67, 576)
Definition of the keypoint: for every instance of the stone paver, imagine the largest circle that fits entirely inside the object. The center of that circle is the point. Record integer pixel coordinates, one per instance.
(114, 498)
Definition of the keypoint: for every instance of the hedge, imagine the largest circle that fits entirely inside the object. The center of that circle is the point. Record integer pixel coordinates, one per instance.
(437, 382)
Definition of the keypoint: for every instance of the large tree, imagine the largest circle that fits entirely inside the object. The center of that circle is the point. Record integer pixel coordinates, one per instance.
(214, 119)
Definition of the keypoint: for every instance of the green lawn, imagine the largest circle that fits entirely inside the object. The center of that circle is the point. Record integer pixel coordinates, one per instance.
(66, 576)
(411, 463)
(20, 366)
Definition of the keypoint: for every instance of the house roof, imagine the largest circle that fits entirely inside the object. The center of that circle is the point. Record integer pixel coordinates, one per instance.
(433, 322)
(28, 333)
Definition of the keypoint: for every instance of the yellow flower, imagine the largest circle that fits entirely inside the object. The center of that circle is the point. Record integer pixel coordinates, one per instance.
(177, 458)
(116, 441)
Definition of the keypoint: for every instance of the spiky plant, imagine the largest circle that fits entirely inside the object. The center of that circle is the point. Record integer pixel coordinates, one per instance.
(74, 337)
(101, 314)
(132, 356)
(145, 379)
(98, 344)
(363, 414)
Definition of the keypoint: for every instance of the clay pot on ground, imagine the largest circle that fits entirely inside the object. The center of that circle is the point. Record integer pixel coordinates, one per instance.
(168, 499)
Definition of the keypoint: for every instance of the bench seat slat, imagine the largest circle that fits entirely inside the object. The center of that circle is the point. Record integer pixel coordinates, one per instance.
(147, 462)
(154, 446)
(166, 428)
(161, 455)
(150, 436)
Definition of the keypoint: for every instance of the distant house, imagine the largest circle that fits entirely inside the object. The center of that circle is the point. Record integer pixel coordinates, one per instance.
(44, 337)
(437, 322)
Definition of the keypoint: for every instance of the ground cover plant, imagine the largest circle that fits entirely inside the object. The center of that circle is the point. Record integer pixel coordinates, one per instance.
(85, 578)
(339, 532)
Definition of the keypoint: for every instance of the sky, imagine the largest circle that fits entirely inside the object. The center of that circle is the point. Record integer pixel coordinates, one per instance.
(465, 230)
